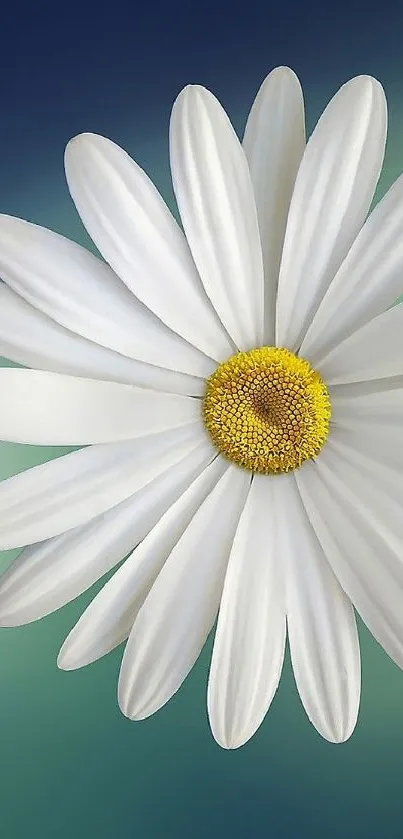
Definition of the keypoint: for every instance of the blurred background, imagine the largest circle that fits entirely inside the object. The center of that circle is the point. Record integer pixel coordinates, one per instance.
(71, 765)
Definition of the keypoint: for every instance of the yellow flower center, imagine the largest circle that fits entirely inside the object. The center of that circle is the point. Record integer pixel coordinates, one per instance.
(267, 410)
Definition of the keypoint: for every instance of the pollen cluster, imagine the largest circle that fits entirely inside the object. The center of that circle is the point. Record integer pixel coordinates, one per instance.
(267, 410)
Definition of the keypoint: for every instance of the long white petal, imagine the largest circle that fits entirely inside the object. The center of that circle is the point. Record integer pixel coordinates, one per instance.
(178, 614)
(46, 576)
(48, 499)
(274, 142)
(250, 637)
(52, 409)
(376, 409)
(33, 339)
(215, 198)
(368, 281)
(373, 352)
(79, 291)
(137, 235)
(322, 630)
(107, 621)
(333, 193)
(351, 501)
(381, 444)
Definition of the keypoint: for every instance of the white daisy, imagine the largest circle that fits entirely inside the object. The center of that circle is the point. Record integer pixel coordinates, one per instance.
(304, 393)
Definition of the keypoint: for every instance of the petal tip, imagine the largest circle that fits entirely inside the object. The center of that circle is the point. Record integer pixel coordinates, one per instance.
(365, 85)
(340, 731)
(230, 740)
(131, 706)
(125, 707)
(65, 660)
(76, 141)
(229, 744)
(81, 142)
(227, 737)
(193, 93)
(284, 73)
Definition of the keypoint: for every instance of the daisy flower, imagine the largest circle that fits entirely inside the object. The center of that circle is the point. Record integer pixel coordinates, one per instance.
(237, 389)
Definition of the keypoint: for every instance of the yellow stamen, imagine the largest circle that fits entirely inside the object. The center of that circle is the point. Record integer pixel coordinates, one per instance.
(267, 410)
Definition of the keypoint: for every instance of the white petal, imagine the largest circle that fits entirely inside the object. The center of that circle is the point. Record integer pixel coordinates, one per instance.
(107, 621)
(381, 445)
(322, 630)
(51, 409)
(64, 493)
(380, 410)
(351, 502)
(274, 143)
(72, 286)
(215, 198)
(180, 610)
(137, 235)
(46, 576)
(373, 352)
(250, 637)
(333, 193)
(368, 281)
(33, 339)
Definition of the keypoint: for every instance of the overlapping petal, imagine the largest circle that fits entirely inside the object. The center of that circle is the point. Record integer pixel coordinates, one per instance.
(137, 235)
(373, 352)
(332, 196)
(178, 614)
(108, 619)
(250, 636)
(321, 625)
(48, 575)
(53, 409)
(274, 142)
(80, 292)
(56, 496)
(350, 497)
(368, 281)
(214, 192)
(33, 339)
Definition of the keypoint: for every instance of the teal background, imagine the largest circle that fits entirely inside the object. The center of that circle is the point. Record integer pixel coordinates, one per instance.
(71, 765)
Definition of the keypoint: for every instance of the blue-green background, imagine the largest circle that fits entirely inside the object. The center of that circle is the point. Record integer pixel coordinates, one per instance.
(71, 765)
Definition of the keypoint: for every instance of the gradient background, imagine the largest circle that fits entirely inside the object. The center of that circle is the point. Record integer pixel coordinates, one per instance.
(71, 765)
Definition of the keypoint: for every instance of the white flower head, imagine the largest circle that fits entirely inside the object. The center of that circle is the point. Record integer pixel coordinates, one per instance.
(238, 388)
